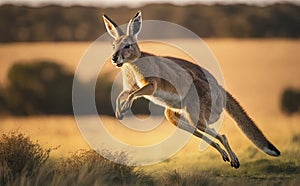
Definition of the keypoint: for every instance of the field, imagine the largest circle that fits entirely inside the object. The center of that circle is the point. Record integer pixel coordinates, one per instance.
(255, 71)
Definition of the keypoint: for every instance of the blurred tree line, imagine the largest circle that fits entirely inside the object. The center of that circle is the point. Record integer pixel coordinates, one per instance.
(45, 87)
(56, 23)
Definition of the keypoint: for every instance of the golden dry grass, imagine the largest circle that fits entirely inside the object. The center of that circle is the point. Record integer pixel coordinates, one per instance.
(52, 131)
(255, 72)
(62, 130)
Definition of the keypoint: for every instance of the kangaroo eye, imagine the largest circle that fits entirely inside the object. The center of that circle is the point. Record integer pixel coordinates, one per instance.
(127, 46)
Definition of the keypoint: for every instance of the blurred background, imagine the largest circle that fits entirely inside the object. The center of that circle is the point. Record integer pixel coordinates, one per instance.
(41, 42)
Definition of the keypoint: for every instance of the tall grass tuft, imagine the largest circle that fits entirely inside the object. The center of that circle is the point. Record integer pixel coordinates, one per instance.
(19, 155)
(175, 178)
(88, 167)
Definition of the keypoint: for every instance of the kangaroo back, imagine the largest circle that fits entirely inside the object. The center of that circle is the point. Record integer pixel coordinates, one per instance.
(249, 128)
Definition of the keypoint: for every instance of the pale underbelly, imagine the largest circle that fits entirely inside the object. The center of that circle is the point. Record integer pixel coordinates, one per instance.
(165, 99)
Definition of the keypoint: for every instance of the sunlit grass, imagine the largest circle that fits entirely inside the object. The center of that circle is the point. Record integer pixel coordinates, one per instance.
(190, 165)
(86, 167)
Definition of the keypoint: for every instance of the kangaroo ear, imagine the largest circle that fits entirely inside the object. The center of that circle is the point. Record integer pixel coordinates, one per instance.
(135, 25)
(112, 28)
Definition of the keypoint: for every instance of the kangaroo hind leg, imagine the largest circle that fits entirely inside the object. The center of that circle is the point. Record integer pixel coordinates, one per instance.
(234, 162)
(176, 119)
(195, 113)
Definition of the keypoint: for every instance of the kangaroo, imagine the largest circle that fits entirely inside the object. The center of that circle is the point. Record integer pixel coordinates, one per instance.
(168, 81)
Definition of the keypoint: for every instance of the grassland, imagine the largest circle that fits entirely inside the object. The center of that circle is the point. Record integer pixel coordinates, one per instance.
(255, 72)
(188, 167)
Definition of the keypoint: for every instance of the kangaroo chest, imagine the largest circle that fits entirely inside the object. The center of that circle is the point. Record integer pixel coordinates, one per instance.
(173, 82)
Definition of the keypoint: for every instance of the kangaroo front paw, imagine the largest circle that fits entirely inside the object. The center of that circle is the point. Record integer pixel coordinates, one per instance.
(125, 107)
(119, 115)
(120, 112)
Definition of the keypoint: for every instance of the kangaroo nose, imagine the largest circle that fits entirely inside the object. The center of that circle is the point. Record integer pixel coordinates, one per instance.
(114, 58)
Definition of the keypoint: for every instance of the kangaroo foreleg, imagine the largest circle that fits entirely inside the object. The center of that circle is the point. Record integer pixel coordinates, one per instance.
(148, 89)
(119, 102)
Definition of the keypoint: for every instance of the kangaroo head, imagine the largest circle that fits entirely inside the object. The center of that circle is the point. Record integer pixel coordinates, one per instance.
(125, 45)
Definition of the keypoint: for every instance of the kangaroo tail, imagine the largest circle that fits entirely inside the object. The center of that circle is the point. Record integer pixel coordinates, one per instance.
(249, 128)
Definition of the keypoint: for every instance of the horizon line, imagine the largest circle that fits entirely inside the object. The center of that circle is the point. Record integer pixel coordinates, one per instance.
(108, 4)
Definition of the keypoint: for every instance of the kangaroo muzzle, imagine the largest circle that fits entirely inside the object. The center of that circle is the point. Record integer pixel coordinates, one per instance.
(115, 58)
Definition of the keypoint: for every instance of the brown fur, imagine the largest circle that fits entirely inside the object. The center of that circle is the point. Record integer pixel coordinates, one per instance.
(175, 83)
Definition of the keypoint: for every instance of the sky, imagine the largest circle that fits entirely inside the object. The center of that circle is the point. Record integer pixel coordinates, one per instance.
(137, 3)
